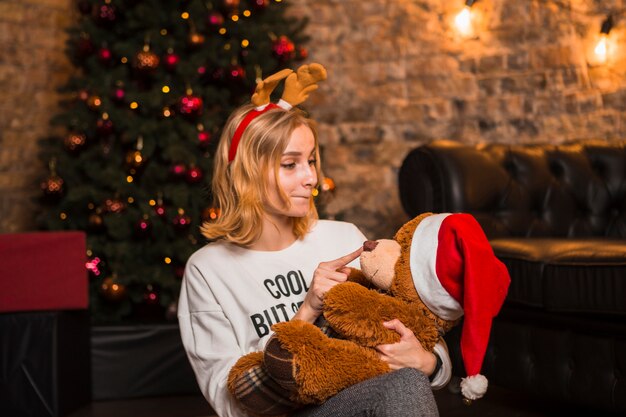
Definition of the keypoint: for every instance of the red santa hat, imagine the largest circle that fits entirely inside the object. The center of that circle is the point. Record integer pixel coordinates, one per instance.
(456, 273)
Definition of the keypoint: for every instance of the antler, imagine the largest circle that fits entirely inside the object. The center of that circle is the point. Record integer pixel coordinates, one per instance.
(264, 88)
(300, 84)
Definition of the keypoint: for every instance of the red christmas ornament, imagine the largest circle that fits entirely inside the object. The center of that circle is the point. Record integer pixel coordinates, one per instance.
(170, 61)
(105, 14)
(178, 170)
(143, 226)
(159, 209)
(104, 127)
(190, 105)
(284, 49)
(118, 94)
(53, 186)
(114, 205)
(105, 56)
(215, 19)
(151, 296)
(236, 73)
(74, 141)
(204, 138)
(194, 175)
(181, 221)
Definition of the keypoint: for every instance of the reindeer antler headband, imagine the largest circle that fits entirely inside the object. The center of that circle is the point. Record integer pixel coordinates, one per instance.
(298, 86)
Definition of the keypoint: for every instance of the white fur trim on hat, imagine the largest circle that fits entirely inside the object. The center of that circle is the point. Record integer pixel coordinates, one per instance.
(423, 262)
(474, 387)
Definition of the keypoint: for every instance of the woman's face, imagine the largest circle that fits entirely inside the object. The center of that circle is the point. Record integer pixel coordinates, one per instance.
(296, 176)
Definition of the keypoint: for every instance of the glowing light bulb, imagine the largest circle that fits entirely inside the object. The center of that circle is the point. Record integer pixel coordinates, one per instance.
(602, 49)
(463, 22)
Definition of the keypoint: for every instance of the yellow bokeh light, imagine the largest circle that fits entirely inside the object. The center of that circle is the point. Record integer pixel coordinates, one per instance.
(152, 202)
(227, 47)
(185, 15)
(163, 32)
(315, 192)
(165, 89)
(167, 112)
(245, 43)
(63, 216)
(131, 200)
(247, 13)
(235, 18)
(222, 31)
(134, 105)
(129, 179)
(168, 260)
(124, 60)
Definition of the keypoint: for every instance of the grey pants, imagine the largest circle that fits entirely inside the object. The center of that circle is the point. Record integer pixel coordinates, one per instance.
(402, 393)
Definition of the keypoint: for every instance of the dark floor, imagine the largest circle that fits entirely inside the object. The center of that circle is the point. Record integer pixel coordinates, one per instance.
(498, 402)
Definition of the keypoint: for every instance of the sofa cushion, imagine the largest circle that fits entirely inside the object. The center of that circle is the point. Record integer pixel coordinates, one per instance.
(566, 275)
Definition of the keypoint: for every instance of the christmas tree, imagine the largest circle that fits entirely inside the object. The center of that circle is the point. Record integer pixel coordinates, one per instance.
(155, 82)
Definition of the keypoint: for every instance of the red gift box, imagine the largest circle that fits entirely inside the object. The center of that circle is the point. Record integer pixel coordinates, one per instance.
(43, 271)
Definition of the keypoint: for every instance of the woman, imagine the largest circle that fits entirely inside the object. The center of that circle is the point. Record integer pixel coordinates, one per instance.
(272, 260)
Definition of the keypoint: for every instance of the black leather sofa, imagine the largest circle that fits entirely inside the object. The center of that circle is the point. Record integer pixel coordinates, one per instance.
(556, 216)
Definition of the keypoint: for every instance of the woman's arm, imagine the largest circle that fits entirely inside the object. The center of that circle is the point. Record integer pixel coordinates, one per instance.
(209, 342)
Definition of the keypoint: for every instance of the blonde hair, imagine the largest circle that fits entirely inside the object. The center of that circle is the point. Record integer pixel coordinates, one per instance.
(239, 187)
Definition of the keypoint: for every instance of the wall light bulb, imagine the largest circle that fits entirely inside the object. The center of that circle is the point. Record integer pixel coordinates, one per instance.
(463, 22)
(602, 49)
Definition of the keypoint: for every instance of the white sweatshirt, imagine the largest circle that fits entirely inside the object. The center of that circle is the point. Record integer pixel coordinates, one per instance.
(231, 296)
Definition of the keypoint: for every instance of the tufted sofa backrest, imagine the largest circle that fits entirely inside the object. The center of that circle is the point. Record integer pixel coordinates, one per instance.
(535, 190)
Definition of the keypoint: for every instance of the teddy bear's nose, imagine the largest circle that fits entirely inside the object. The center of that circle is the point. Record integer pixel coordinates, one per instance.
(369, 245)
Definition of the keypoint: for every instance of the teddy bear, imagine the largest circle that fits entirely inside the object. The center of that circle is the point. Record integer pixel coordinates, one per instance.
(437, 269)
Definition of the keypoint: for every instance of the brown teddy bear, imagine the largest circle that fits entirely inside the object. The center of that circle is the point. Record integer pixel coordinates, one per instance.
(438, 268)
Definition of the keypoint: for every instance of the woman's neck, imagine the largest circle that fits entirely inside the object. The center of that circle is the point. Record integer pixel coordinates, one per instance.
(277, 234)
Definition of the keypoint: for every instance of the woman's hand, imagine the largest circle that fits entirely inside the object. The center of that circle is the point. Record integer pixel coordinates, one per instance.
(326, 276)
(408, 352)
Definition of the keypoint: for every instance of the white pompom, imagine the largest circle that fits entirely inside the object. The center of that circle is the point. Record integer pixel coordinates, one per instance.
(474, 387)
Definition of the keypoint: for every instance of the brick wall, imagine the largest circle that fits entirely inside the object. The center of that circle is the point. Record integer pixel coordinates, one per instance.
(32, 67)
(399, 75)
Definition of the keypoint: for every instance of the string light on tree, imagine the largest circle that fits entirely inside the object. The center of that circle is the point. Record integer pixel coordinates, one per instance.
(74, 141)
(112, 290)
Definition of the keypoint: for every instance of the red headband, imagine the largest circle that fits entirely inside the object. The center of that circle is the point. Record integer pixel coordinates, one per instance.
(252, 114)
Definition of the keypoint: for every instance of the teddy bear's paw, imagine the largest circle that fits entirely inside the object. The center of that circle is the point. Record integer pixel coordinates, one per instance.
(357, 314)
(320, 366)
